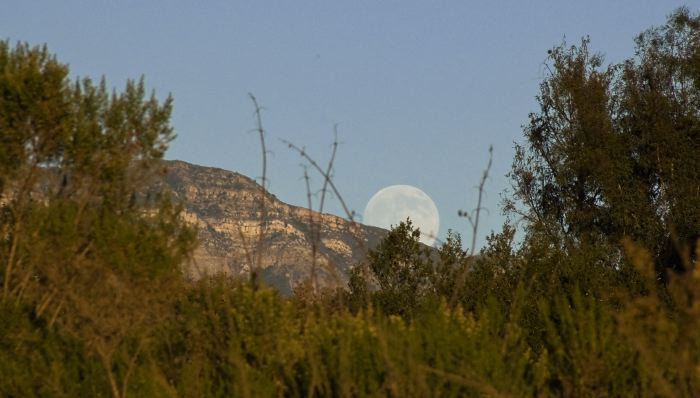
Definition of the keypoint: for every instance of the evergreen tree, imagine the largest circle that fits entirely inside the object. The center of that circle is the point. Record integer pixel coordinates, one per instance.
(397, 275)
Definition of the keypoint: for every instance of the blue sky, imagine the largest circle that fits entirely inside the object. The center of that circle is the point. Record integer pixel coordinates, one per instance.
(419, 89)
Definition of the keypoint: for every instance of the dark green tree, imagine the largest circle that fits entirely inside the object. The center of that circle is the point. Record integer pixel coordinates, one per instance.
(451, 265)
(613, 151)
(397, 275)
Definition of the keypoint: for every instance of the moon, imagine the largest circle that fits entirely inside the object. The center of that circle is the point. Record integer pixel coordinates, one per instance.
(393, 204)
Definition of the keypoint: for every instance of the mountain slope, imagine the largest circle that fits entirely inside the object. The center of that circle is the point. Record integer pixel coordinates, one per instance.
(225, 207)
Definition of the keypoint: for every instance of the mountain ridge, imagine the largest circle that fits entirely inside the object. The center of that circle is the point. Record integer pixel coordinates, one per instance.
(297, 243)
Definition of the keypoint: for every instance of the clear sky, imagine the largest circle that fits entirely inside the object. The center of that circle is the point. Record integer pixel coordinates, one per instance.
(419, 89)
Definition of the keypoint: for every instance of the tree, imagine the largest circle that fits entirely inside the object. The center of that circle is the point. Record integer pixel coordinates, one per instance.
(397, 274)
(613, 151)
(450, 268)
(85, 250)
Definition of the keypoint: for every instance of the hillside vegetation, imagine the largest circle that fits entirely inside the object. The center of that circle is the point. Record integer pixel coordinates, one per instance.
(598, 296)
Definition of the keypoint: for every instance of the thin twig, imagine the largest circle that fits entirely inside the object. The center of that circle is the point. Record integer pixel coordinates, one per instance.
(315, 225)
(314, 234)
(475, 224)
(350, 214)
(473, 219)
(130, 367)
(263, 215)
(316, 237)
(329, 169)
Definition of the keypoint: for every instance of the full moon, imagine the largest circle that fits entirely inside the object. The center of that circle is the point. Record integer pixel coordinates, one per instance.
(395, 203)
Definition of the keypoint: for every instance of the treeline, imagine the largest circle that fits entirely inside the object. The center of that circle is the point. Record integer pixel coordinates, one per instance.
(598, 295)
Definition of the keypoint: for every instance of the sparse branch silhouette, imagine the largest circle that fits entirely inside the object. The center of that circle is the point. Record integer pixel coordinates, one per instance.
(314, 230)
(473, 216)
(329, 169)
(350, 214)
(473, 219)
(262, 223)
(315, 223)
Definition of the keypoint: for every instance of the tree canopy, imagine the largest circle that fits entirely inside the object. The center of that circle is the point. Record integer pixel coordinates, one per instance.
(82, 245)
(613, 150)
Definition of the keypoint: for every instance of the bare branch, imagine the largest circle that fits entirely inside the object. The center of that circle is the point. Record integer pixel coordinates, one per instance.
(350, 214)
(313, 228)
(473, 219)
(263, 188)
(329, 169)
(473, 216)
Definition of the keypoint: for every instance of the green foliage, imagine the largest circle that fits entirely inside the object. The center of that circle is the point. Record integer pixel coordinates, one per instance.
(33, 107)
(612, 152)
(450, 266)
(84, 255)
(233, 340)
(399, 269)
(94, 303)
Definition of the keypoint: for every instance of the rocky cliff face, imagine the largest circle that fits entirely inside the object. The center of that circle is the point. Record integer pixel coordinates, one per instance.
(226, 208)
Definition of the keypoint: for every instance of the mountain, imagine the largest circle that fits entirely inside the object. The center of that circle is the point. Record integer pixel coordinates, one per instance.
(226, 209)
